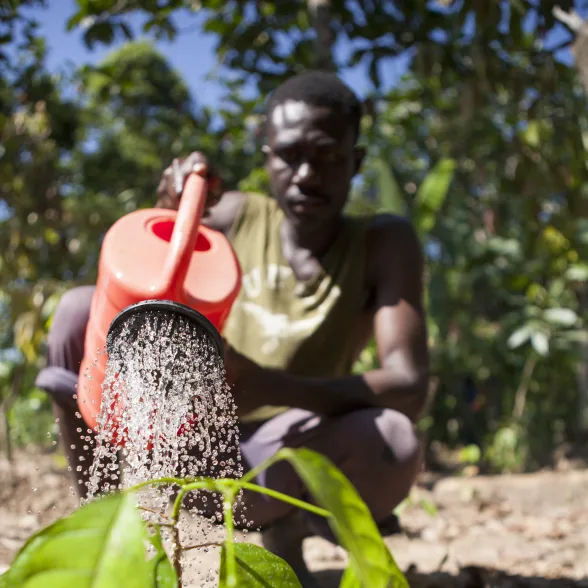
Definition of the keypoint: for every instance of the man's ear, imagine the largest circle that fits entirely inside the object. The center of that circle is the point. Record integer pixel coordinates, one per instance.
(359, 154)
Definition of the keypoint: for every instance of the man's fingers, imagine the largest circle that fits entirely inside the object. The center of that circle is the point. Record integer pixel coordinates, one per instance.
(200, 168)
(175, 176)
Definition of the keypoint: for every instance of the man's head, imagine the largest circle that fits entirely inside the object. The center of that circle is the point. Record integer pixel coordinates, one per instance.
(312, 126)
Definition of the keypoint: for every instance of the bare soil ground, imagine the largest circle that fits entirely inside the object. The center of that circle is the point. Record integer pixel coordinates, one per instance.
(526, 530)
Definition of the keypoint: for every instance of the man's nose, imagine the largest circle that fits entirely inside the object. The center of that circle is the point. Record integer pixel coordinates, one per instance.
(305, 174)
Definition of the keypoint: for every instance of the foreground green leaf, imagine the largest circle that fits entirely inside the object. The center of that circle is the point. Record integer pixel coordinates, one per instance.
(257, 568)
(351, 521)
(101, 545)
(349, 579)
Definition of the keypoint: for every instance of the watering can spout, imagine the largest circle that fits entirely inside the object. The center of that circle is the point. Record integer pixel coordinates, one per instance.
(183, 239)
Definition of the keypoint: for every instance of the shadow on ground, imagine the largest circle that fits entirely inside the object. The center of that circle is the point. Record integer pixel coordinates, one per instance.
(470, 577)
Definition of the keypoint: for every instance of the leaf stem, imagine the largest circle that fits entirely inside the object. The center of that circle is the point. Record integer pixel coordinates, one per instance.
(203, 484)
(152, 511)
(177, 553)
(158, 482)
(228, 499)
(254, 472)
(201, 546)
(285, 498)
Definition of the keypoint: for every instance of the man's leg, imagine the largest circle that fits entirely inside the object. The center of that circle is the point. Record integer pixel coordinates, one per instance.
(377, 449)
(65, 351)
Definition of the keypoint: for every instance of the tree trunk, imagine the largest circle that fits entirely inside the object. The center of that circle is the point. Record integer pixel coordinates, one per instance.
(320, 12)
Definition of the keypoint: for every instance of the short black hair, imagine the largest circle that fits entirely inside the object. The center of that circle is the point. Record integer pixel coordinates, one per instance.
(319, 88)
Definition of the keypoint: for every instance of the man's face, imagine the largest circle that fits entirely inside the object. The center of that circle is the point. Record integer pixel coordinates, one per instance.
(311, 158)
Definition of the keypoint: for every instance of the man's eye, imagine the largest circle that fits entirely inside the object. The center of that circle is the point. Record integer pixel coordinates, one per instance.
(290, 155)
(329, 156)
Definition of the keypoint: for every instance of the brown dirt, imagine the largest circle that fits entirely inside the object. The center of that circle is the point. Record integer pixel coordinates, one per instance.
(526, 530)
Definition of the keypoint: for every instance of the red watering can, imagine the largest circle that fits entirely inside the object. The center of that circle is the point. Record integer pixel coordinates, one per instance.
(158, 255)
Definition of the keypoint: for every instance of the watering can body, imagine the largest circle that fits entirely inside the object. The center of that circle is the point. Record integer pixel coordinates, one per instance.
(156, 254)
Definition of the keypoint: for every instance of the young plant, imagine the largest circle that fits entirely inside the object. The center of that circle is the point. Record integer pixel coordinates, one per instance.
(102, 544)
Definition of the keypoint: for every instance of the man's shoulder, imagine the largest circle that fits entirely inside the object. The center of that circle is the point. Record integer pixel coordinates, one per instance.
(232, 206)
(387, 231)
(393, 249)
(238, 199)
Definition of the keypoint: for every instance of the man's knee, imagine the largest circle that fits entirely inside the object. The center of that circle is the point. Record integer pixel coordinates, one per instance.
(72, 310)
(385, 457)
(399, 436)
(67, 333)
(388, 433)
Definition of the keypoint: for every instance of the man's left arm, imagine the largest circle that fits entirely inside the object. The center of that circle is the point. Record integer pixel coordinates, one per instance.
(395, 269)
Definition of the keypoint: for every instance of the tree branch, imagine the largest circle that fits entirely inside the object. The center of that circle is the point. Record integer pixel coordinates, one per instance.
(320, 11)
(571, 20)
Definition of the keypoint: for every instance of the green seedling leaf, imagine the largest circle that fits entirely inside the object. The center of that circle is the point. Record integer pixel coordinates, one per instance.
(99, 546)
(256, 568)
(163, 574)
(351, 520)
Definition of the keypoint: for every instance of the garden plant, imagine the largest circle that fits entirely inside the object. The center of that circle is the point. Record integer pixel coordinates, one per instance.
(109, 537)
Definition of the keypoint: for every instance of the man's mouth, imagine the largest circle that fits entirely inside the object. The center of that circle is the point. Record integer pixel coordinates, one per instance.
(301, 203)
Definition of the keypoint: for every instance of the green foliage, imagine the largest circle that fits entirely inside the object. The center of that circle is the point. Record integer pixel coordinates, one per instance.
(470, 454)
(370, 560)
(508, 449)
(256, 568)
(109, 537)
(271, 40)
(431, 195)
(481, 145)
(389, 194)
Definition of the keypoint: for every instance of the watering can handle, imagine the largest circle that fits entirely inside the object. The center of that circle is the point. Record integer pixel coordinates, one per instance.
(184, 235)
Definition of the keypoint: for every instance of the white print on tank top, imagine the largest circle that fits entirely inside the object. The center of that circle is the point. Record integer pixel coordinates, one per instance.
(278, 327)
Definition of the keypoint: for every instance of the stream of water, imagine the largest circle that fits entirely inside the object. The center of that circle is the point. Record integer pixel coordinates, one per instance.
(166, 411)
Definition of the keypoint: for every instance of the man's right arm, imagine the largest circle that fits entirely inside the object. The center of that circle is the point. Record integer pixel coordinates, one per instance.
(222, 215)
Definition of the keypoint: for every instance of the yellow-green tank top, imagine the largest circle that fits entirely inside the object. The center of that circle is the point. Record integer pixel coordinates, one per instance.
(303, 328)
